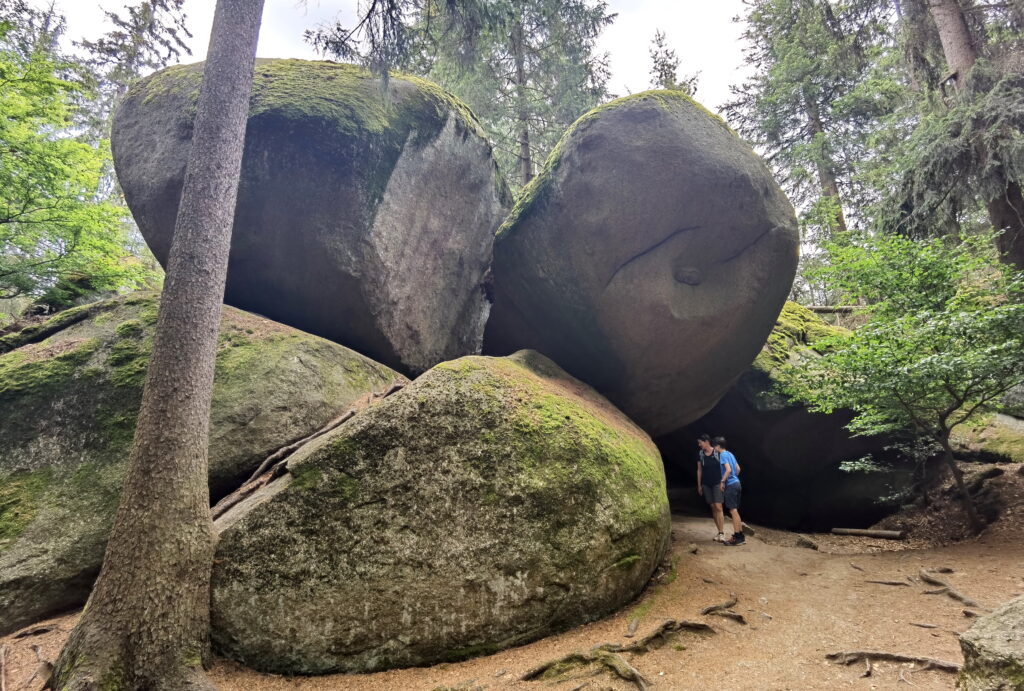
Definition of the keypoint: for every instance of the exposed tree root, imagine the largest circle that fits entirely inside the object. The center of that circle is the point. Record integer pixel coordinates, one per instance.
(3, 668)
(848, 657)
(928, 577)
(922, 625)
(859, 568)
(606, 659)
(631, 629)
(729, 614)
(889, 582)
(661, 635)
(35, 631)
(728, 604)
(867, 668)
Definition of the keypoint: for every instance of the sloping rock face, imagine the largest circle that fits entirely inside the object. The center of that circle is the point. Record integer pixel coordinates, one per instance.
(363, 217)
(800, 469)
(490, 503)
(649, 258)
(994, 651)
(69, 396)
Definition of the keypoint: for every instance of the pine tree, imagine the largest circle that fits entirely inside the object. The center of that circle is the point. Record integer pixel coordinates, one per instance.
(665, 67)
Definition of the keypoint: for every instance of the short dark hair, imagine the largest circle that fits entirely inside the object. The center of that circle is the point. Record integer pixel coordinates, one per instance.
(719, 441)
(704, 437)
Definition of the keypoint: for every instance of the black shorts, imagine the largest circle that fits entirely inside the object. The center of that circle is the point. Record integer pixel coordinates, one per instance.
(732, 496)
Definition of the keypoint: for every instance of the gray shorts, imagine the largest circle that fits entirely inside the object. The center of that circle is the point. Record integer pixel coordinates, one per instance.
(732, 496)
(713, 494)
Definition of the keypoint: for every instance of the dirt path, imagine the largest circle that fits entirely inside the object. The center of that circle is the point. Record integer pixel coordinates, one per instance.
(799, 604)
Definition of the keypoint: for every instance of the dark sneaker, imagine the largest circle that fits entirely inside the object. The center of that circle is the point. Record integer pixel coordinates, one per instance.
(736, 540)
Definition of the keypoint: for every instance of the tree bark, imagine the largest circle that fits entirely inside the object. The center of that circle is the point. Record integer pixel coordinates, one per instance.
(958, 477)
(956, 41)
(523, 111)
(826, 169)
(1007, 215)
(146, 625)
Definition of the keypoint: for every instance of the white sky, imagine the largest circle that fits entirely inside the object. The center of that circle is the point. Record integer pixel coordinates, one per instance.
(701, 31)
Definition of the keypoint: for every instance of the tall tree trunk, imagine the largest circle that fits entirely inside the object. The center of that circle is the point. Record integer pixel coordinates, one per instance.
(522, 110)
(956, 39)
(146, 625)
(973, 521)
(826, 169)
(1006, 211)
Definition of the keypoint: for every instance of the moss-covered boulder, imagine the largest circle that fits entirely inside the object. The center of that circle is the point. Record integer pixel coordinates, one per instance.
(491, 502)
(994, 651)
(800, 469)
(649, 258)
(363, 216)
(69, 394)
(998, 438)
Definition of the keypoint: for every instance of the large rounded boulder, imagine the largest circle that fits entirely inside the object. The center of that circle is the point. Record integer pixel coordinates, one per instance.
(70, 391)
(491, 502)
(649, 258)
(994, 651)
(801, 470)
(365, 214)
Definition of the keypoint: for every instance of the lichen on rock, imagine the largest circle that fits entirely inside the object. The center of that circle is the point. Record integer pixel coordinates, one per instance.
(993, 651)
(69, 395)
(491, 502)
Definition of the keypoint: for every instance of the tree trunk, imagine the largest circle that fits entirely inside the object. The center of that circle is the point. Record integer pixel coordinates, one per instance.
(958, 477)
(1007, 215)
(826, 169)
(523, 112)
(146, 625)
(1005, 212)
(956, 39)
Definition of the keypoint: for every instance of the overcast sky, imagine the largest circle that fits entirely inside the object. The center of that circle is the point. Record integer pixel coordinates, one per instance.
(701, 31)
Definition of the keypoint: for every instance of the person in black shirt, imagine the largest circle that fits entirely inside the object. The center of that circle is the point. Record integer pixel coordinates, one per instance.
(709, 482)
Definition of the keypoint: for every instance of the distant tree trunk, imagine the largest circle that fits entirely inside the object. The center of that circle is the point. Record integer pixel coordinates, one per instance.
(958, 477)
(826, 170)
(523, 112)
(1006, 211)
(146, 625)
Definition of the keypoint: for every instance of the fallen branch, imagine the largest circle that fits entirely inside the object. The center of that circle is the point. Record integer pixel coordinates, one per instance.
(631, 630)
(728, 604)
(923, 625)
(930, 578)
(869, 532)
(3, 668)
(859, 568)
(889, 582)
(848, 657)
(35, 631)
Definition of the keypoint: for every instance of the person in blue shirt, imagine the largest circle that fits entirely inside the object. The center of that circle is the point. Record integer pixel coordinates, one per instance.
(731, 490)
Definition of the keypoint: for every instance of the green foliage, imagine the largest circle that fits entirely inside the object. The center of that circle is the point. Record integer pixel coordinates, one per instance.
(942, 341)
(55, 231)
(527, 68)
(665, 68)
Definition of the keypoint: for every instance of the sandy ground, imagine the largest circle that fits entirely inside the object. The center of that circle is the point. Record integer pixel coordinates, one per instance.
(800, 604)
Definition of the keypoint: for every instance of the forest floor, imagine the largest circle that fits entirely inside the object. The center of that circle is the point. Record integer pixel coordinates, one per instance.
(799, 604)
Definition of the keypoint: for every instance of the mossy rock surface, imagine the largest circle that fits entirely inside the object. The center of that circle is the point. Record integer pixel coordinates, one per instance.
(994, 651)
(69, 398)
(650, 258)
(492, 502)
(997, 438)
(364, 215)
(801, 470)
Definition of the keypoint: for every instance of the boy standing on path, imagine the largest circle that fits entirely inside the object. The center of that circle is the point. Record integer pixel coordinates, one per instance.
(709, 482)
(731, 490)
